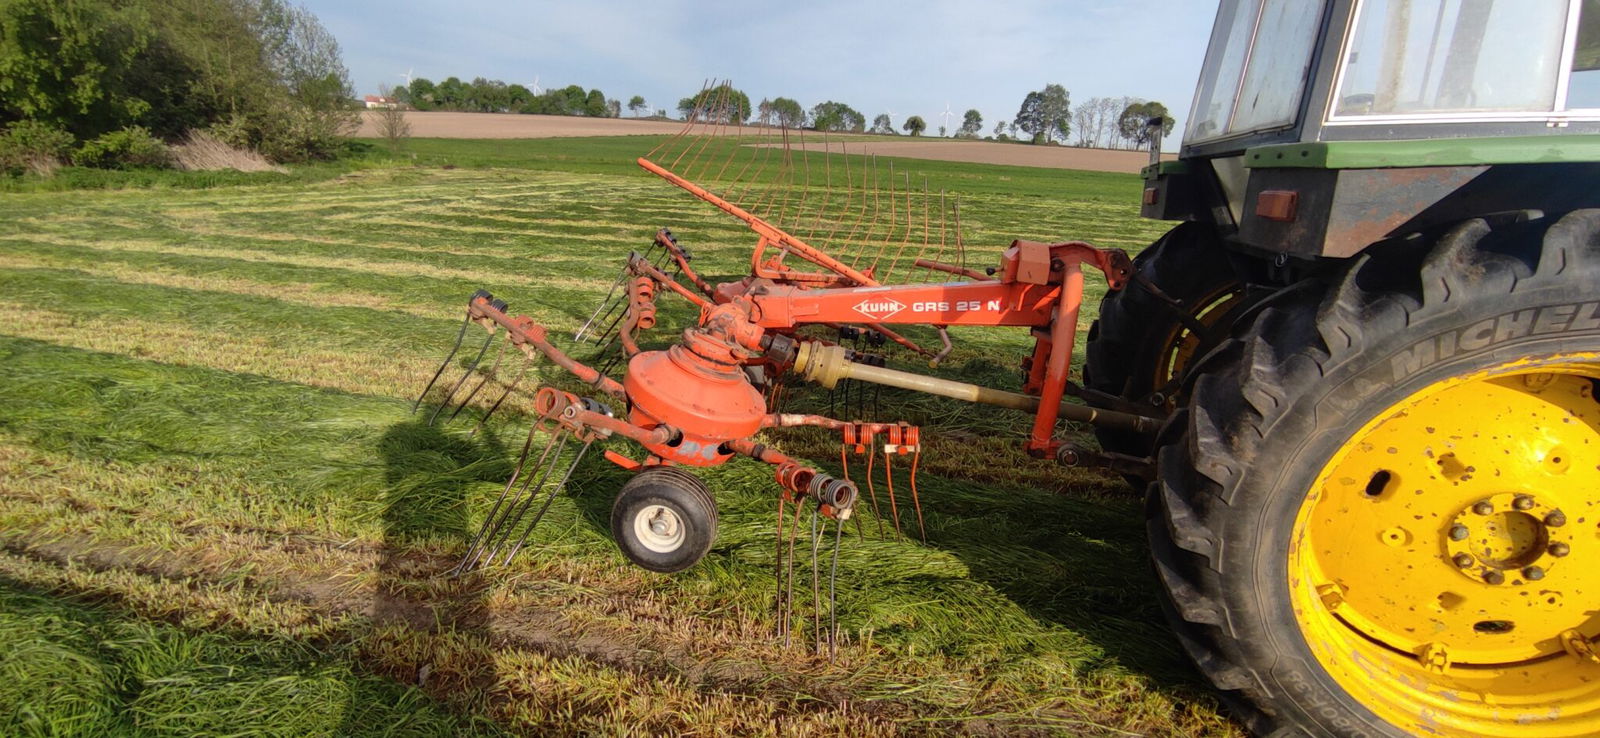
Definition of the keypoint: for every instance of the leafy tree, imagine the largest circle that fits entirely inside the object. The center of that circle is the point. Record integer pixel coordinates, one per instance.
(999, 129)
(451, 94)
(1045, 114)
(613, 108)
(883, 125)
(788, 113)
(517, 97)
(971, 124)
(1133, 124)
(594, 105)
(837, 116)
(915, 125)
(422, 93)
(71, 64)
(1030, 117)
(636, 104)
(720, 104)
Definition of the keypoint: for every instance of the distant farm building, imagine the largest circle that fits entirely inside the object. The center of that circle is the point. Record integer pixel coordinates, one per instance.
(379, 101)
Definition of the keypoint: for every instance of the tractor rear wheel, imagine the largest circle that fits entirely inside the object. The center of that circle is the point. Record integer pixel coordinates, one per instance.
(1381, 518)
(1144, 340)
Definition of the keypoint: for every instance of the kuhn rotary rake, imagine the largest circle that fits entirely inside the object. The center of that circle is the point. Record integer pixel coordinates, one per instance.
(706, 398)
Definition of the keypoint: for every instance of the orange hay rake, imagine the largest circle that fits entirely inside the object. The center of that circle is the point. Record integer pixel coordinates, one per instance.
(711, 395)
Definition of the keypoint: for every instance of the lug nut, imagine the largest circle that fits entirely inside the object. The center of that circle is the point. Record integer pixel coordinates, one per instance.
(1458, 532)
(1559, 549)
(1555, 519)
(1462, 560)
(1533, 573)
(1522, 502)
(1483, 508)
(1493, 576)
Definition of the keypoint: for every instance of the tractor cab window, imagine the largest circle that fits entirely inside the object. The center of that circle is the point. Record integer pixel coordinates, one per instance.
(1465, 57)
(1255, 70)
(1583, 89)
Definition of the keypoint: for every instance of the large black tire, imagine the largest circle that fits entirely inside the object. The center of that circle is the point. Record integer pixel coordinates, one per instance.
(1277, 402)
(1138, 337)
(682, 511)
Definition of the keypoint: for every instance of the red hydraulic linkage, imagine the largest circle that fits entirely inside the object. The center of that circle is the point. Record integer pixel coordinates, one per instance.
(1040, 286)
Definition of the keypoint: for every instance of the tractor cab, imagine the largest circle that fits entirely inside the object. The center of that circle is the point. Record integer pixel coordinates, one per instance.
(1305, 110)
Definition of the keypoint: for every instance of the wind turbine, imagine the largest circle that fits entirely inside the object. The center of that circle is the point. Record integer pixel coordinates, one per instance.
(534, 86)
(407, 75)
(946, 115)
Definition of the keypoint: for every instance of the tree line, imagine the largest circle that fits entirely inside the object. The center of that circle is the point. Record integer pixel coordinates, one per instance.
(494, 96)
(1047, 116)
(92, 80)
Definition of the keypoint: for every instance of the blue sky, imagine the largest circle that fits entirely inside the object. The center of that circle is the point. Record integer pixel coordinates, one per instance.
(910, 58)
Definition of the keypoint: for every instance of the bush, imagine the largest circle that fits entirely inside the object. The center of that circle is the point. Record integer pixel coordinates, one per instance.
(31, 146)
(129, 148)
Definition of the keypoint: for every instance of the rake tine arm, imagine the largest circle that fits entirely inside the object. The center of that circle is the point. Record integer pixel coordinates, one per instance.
(461, 335)
(644, 268)
(682, 257)
(940, 266)
(491, 373)
(523, 372)
(622, 276)
(528, 335)
(471, 367)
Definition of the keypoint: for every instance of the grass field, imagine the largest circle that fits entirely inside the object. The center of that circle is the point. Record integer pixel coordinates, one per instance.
(218, 515)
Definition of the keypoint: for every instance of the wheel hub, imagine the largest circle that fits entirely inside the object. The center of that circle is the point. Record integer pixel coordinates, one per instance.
(659, 528)
(1508, 539)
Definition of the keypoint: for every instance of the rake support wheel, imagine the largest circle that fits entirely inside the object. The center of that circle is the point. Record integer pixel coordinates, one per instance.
(1142, 342)
(664, 519)
(1371, 524)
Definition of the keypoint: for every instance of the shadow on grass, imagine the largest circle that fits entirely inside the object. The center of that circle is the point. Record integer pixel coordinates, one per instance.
(428, 473)
(84, 668)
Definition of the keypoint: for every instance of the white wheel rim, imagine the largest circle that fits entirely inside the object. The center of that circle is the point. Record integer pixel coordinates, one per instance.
(658, 528)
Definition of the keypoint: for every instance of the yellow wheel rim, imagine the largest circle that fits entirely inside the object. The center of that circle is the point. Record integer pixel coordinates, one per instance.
(1445, 566)
(1182, 344)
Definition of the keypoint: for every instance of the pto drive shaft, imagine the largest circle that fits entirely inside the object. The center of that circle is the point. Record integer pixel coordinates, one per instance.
(828, 365)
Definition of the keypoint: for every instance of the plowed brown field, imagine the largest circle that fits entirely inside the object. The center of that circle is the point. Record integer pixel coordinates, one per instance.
(512, 125)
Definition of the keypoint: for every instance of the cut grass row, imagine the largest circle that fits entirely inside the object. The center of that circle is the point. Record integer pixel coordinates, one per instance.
(230, 413)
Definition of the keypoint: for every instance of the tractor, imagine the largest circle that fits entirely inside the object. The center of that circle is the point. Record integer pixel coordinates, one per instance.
(1358, 382)
(1376, 329)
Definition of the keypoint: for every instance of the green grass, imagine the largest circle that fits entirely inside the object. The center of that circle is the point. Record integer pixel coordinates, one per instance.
(216, 509)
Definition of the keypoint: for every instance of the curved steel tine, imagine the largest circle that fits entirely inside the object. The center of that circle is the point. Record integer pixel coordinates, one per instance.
(460, 336)
(495, 525)
(622, 276)
(916, 458)
(526, 365)
(894, 508)
(777, 599)
(488, 520)
(519, 510)
(816, 584)
(788, 599)
(833, 592)
(609, 334)
(500, 531)
(487, 375)
(463, 380)
(549, 498)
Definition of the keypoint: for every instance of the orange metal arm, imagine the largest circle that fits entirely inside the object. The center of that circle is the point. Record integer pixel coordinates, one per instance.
(766, 230)
(957, 303)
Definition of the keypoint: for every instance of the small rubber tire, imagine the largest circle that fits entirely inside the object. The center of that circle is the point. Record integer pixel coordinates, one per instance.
(1131, 344)
(664, 519)
(1290, 393)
